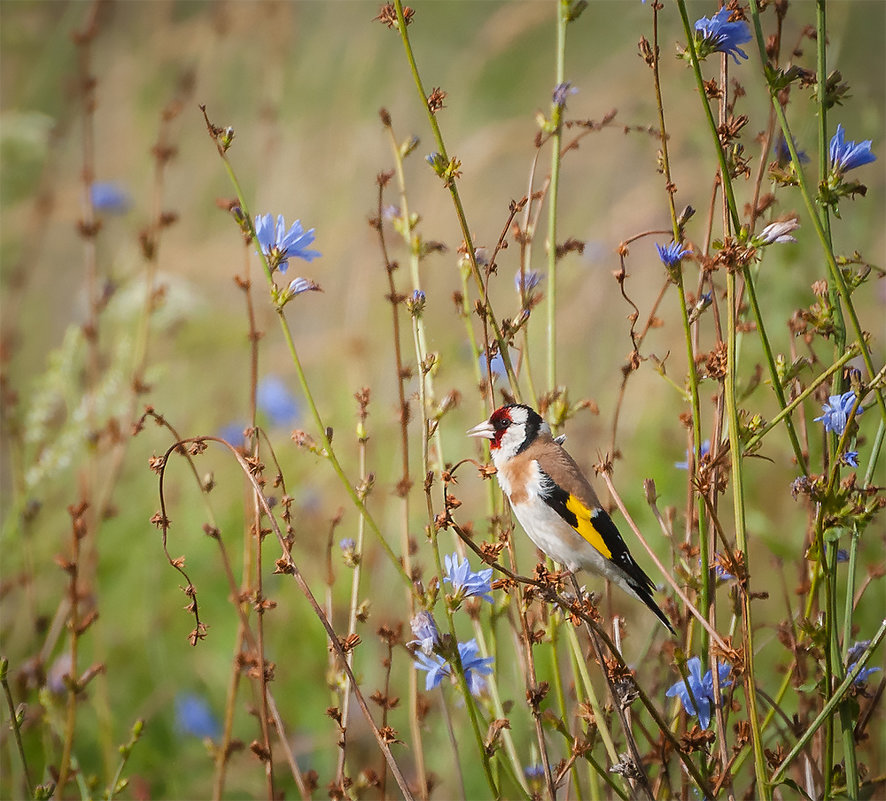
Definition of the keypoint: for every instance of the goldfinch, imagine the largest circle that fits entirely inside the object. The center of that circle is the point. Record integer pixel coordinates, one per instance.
(556, 505)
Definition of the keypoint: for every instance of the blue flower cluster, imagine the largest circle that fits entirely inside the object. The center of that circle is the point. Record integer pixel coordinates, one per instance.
(274, 399)
(279, 244)
(194, 716)
(671, 254)
(434, 654)
(474, 666)
(698, 689)
(847, 156)
(852, 658)
(836, 416)
(705, 450)
(718, 34)
(466, 582)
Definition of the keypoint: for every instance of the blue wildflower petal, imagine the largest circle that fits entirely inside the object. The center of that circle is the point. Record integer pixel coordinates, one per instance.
(295, 241)
(783, 152)
(475, 666)
(671, 254)
(279, 244)
(702, 690)
(561, 92)
(193, 715)
(724, 36)
(850, 458)
(264, 232)
(836, 412)
(856, 650)
(705, 450)
(232, 433)
(525, 282)
(435, 666)
(426, 633)
(276, 401)
(847, 156)
(464, 581)
(110, 197)
(863, 673)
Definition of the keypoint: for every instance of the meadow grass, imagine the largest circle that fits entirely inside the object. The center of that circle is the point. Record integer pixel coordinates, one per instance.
(196, 413)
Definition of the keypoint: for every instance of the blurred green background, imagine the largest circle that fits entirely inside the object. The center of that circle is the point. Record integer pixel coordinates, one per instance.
(302, 83)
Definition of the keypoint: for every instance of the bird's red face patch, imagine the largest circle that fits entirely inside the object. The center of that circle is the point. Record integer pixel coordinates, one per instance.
(500, 420)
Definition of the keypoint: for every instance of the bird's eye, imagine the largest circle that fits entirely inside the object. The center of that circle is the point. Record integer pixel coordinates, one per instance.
(502, 423)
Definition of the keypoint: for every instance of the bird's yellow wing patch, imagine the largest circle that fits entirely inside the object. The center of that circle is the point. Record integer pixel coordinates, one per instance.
(584, 525)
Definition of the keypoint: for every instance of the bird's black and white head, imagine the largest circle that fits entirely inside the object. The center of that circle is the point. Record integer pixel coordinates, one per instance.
(510, 430)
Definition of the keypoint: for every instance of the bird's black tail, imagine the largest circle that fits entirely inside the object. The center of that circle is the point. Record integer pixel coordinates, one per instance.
(643, 592)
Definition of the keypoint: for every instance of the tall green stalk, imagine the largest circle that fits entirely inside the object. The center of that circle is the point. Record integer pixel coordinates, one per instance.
(553, 195)
(452, 186)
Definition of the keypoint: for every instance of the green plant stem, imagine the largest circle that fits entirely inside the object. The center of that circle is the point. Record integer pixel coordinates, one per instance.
(456, 199)
(753, 441)
(559, 694)
(741, 530)
(828, 708)
(409, 238)
(328, 450)
(461, 679)
(14, 723)
(553, 194)
(292, 569)
(729, 196)
(836, 273)
(695, 402)
(821, 75)
(580, 663)
(125, 752)
(330, 453)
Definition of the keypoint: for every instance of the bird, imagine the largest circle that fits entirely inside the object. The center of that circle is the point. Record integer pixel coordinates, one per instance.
(555, 503)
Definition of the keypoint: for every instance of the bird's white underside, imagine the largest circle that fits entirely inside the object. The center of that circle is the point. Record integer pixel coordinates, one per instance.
(555, 536)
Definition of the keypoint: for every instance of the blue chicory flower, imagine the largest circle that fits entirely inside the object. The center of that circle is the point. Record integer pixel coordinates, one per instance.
(426, 633)
(847, 156)
(561, 92)
(497, 364)
(671, 254)
(436, 667)
(722, 574)
(416, 303)
(705, 450)
(836, 412)
(276, 401)
(475, 666)
(464, 581)
(280, 244)
(110, 197)
(863, 673)
(233, 433)
(525, 282)
(850, 458)
(779, 231)
(193, 716)
(702, 690)
(298, 285)
(718, 34)
(842, 555)
(856, 650)
(783, 153)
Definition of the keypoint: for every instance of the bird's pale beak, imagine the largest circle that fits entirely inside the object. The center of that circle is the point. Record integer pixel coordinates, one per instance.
(485, 429)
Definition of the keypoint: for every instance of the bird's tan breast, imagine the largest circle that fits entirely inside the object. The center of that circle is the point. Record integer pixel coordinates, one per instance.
(516, 476)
